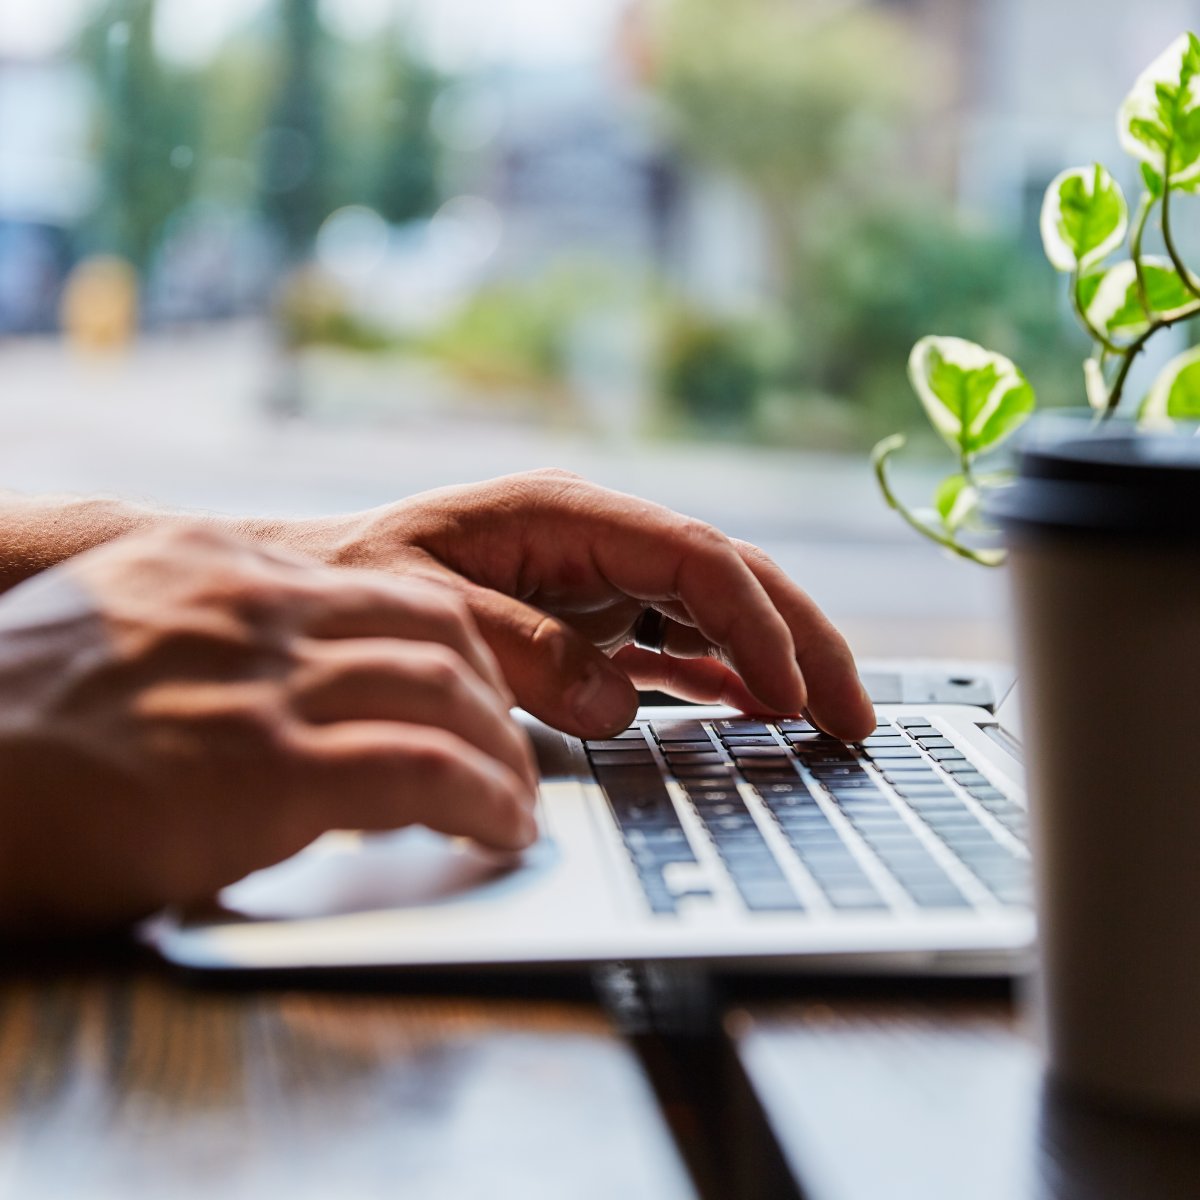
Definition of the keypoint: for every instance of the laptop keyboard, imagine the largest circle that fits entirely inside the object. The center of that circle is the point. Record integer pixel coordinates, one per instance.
(900, 820)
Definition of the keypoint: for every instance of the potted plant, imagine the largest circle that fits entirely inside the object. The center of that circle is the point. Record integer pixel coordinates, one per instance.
(976, 399)
(1105, 571)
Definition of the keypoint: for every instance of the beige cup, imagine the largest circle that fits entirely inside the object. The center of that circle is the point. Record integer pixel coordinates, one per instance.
(1104, 534)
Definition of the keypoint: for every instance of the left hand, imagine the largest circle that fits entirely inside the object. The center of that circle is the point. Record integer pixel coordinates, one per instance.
(557, 571)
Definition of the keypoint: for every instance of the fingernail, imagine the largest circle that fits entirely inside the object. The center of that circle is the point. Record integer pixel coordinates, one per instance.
(602, 698)
(526, 830)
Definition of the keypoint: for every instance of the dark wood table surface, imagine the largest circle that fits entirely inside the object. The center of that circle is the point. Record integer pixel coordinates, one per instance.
(899, 1092)
(122, 1081)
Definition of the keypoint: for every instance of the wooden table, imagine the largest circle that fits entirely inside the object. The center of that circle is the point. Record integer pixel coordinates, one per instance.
(120, 1081)
(936, 1092)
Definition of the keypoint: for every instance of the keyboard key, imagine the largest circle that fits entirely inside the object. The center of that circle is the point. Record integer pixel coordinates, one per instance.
(657, 894)
(661, 839)
(883, 740)
(830, 772)
(759, 775)
(772, 752)
(831, 873)
(854, 896)
(703, 775)
(971, 779)
(679, 731)
(634, 794)
(937, 895)
(602, 758)
(913, 724)
(742, 740)
(868, 804)
(702, 747)
(794, 790)
(741, 726)
(685, 758)
(1018, 894)
(804, 822)
(960, 767)
(982, 792)
(933, 741)
(957, 818)
(943, 756)
(701, 794)
(927, 795)
(889, 754)
(821, 850)
(746, 858)
(796, 725)
(816, 740)
(768, 895)
(619, 743)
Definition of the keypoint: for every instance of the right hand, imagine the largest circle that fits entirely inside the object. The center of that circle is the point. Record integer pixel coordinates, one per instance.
(180, 708)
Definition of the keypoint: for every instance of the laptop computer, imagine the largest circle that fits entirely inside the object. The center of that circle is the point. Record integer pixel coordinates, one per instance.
(698, 834)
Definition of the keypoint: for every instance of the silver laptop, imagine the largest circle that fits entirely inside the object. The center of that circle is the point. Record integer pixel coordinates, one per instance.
(697, 834)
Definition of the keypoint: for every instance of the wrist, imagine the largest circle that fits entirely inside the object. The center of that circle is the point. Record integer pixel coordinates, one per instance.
(326, 539)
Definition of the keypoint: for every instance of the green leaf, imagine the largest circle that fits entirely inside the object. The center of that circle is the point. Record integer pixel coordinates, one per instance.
(1159, 121)
(1084, 217)
(1096, 385)
(1088, 285)
(1012, 411)
(1175, 395)
(957, 502)
(1150, 133)
(1154, 181)
(973, 397)
(1116, 307)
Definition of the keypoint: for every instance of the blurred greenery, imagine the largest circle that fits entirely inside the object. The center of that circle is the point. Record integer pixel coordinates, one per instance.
(311, 310)
(147, 111)
(815, 113)
(294, 157)
(811, 108)
(886, 278)
(712, 374)
(286, 120)
(796, 100)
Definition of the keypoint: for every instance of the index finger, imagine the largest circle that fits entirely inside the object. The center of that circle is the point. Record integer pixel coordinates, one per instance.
(838, 701)
(654, 554)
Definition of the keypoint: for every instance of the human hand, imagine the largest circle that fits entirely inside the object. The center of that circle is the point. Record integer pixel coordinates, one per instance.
(557, 572)
(180, 708)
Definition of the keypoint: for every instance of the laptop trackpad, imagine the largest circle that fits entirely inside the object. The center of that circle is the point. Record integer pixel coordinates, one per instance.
(345, 873)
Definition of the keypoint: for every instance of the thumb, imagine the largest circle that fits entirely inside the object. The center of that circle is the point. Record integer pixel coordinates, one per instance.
(554, 672)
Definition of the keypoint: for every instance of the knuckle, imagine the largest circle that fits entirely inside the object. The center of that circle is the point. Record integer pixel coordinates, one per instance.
(197, 536)
(437, 759)
(443, 671)
(550, 642)
(701, 536)
(752, 553)
(445, 609)
(557, 473)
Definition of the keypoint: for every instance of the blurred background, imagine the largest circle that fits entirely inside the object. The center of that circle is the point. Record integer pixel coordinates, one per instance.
(298, 256)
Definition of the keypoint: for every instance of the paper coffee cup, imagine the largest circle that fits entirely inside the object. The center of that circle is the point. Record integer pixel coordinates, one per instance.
(1103, 529)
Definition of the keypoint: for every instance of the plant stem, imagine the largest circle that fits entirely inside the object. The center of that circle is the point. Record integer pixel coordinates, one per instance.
(1106, 342)
(1169, 240)
(1135, 252)
(1135, 348)
(983, 557)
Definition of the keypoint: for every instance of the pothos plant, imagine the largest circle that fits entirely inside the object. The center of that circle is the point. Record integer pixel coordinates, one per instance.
(976, 399)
